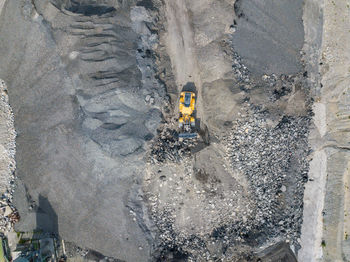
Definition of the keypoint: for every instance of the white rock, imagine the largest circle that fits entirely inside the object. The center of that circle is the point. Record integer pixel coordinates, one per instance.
(283, 188)
(73, 55)
(8, 211)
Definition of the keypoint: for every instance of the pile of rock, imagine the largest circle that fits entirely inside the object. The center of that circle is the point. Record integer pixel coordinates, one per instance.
(241, 72)
(274, 160)
(72, 250)
(172, 244)
(8, 213)
(283, 85)
(167, 147)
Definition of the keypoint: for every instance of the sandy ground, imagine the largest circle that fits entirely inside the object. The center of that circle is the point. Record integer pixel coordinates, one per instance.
(335, 95)
(181, 48)
(326, 223)
(180, 44)
(179, 185)
(311, 236)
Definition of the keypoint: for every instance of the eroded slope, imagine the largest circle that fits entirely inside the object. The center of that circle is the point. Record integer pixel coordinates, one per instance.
(82, 121)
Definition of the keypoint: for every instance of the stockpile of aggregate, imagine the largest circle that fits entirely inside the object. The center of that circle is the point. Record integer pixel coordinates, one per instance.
(274, 160)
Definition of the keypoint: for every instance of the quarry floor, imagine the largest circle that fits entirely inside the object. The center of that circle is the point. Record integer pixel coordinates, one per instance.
(105, 163)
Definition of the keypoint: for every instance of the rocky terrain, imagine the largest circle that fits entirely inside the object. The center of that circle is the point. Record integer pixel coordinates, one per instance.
(245, 188)
(8, 213)
(94, 89)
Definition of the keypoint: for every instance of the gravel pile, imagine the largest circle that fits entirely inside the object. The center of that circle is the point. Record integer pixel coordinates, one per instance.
(274, 160)
(8, 213)
(172, 245)
(240, 71)
(167, 147)
(76, 253)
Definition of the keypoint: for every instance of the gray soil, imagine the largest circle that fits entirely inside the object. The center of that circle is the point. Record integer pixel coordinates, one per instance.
(244, 190)
(270, 35)
(82, 122)
(94, 88)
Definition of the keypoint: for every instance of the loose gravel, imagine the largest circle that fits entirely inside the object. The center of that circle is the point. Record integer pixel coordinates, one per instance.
(274, 160)
(8, 213)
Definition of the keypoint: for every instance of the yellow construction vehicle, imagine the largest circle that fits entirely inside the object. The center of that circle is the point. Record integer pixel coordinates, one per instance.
(187, 120)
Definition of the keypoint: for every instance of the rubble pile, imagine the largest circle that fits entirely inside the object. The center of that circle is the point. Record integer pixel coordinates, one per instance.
(76, 253)
(240, 71)
(283, 85)
(274, 160)
(194, 192)
(172, 244)
(266, 148)
(8, 213)
(167, 147)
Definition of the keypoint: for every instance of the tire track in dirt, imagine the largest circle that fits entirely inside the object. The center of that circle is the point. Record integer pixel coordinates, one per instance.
(181, 48)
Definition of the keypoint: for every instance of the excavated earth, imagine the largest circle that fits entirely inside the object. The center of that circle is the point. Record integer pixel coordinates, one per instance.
(78, 97)
(94, 87)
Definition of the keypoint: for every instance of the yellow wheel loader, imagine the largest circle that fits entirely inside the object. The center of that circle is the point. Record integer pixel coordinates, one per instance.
(187, 120)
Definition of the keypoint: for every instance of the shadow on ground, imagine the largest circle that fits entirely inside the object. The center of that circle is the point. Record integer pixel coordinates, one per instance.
(46, 218)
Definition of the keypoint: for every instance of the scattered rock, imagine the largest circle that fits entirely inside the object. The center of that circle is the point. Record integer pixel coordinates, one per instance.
(271, 158)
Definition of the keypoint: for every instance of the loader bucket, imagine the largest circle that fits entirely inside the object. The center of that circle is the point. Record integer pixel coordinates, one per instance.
(187, 135)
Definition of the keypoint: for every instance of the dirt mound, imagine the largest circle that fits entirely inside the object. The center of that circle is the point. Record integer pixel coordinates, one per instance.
(78, 79)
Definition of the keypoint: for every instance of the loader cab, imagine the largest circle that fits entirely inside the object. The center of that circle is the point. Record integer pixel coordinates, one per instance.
(187, 100)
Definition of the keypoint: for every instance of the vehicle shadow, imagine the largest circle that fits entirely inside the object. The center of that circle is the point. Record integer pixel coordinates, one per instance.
(40, 244)
(189, 87)
(46, 219)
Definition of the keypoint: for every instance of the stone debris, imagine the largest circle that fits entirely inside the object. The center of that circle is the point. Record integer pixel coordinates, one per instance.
(269, 149)
(271, 157)
(76, 253)
(8, 213)
(167, 146)
(240, 71)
